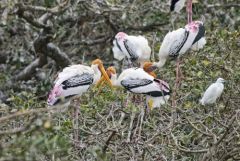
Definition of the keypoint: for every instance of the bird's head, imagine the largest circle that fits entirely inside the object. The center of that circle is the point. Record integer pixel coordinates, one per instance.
(149, 67)
(111, 72)
(121, 36)
(220, 80)
(99, 64)
(194, 25)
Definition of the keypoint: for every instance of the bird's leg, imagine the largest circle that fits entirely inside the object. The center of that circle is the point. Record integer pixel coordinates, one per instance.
(126, 104)
(178, 73)
(130, 127)
(75, 123)
(141, 122)
(173, 18)
(189, 11)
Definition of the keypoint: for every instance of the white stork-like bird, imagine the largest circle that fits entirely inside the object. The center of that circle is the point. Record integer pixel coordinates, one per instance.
(213, 92)
(134, 48)
(179, 41)
(136, 80)
(75, 80)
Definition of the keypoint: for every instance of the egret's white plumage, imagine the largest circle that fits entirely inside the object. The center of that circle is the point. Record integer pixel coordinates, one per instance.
(213, 92)
(179, 41)
(135, 48)
(75, 80)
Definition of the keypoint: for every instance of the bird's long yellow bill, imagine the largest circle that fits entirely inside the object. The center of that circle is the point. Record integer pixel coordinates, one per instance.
(104, 77)
(100, 82)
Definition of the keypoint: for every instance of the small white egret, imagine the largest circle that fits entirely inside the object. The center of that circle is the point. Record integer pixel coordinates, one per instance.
(213, 92)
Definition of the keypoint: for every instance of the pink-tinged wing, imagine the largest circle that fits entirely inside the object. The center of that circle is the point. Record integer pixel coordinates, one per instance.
(164, 86)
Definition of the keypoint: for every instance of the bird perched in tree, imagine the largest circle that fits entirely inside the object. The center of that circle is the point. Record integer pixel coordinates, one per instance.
(134, 48)
(213, 92)
(75, 80)
(179, 41)
(136, 80)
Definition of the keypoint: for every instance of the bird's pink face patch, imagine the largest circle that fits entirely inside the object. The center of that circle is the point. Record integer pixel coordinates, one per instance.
(193, 26)
(121, 36)
(54, 94)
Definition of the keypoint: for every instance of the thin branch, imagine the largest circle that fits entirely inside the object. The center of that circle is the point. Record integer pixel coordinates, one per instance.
(108, 141)
(223, 5)
(27, 112)
(56, 54)
(55, 10)
(186, 150)
(197, 129)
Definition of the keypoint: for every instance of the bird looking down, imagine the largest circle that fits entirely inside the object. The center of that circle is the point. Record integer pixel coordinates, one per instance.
(179, 41)
(136, 80)
(134, 48)
(75, 80)
(213, 92)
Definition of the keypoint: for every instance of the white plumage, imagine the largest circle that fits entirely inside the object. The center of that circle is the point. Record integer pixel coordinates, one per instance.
(135, 48)
(213, 92)
(179, 41)
(74, 81)
(136, 80)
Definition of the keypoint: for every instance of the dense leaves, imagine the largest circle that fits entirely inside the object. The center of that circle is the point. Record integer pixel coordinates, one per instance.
(114, 124)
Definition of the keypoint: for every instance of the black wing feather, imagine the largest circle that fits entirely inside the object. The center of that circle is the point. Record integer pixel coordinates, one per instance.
(173, 3)
(130, 51)
(200, 34)
(134, 83)
(119, 47)
(78, 80)
(175, 48)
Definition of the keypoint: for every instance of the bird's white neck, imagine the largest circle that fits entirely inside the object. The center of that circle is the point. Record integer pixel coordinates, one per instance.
(97, 73)
(160, 63)
(114, 80)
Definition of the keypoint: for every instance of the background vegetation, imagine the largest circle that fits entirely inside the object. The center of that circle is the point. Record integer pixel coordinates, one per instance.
(39, 38)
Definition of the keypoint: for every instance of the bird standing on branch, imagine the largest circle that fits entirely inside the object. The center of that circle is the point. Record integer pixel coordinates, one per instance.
(138, 81)
(178, 42)
(75, 80)
(213, 92)
(134, 48)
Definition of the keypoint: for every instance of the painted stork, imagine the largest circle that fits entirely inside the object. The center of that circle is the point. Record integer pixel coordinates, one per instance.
(213, 92)
(75, 80)
(178, 42)
(134, 48)
(136, 80)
